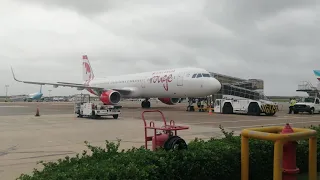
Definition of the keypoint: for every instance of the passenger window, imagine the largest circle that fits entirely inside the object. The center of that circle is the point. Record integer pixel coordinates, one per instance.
(199, 75)
(193, 76)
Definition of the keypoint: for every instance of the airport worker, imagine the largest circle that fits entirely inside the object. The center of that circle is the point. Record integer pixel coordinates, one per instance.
(198, 103)
(292, 103)
(202, 105)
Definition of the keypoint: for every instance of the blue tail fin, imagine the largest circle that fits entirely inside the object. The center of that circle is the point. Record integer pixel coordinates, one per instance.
(317, 74)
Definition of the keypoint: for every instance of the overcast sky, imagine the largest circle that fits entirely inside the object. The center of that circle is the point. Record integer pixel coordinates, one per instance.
(44, 40)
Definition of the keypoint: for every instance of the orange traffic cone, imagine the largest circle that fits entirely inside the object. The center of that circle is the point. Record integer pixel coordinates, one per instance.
(37, 113)
(210, 110)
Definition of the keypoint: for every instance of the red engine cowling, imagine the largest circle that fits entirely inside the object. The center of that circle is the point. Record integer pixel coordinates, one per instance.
(110, 97)
(169, 101)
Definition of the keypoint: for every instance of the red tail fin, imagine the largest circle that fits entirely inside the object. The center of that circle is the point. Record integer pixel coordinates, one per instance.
(86, 69)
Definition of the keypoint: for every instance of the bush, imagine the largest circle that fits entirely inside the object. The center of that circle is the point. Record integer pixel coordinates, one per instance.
(213, 159)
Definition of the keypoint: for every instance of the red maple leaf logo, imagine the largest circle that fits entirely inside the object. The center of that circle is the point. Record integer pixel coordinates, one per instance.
(87, 67)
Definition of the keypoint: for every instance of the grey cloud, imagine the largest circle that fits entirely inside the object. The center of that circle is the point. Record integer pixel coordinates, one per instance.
(96, 7)
(80, 6)
(249, 39)
(243, 13)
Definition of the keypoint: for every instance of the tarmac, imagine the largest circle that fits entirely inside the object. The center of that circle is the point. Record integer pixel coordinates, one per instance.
(57, 132)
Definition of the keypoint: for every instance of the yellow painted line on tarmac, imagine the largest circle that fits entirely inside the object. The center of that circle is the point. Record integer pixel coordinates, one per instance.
(249, 120)
(259, 125)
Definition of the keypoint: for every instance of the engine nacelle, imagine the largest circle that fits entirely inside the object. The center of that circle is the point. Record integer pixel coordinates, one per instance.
(169, 101)
(110, 97)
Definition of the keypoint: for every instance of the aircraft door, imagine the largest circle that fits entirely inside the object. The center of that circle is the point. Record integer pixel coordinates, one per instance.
(143, 82)
(180, 79)
(217, 106)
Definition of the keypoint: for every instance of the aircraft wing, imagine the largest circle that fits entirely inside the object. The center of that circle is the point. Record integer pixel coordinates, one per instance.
(73, 85)
(69, 83)
(124, 91)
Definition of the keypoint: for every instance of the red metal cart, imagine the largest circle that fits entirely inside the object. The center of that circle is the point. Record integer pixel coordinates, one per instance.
(165, 138)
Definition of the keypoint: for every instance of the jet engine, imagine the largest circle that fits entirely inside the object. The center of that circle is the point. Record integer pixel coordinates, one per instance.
(169, 101)
(110, 97)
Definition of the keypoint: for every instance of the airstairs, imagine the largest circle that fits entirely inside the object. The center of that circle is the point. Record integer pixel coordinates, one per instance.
(233, 89)
(245, 84)
(306, 86)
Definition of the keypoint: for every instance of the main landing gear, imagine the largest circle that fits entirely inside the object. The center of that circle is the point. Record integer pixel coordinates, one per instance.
(145, 103)
(190, 102)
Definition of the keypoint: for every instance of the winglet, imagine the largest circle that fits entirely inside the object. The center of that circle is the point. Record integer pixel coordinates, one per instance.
(14, 77)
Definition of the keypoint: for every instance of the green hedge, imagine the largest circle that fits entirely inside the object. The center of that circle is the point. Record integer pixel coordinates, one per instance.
(217, 159)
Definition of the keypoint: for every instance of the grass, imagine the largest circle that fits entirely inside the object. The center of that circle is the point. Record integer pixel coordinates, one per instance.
(306, 176)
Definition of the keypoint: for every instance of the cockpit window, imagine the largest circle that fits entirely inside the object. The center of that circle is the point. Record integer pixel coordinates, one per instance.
(199, 75)
(206, 75)
(193, 76)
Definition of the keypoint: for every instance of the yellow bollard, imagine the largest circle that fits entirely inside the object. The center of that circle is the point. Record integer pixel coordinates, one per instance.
(272, 134)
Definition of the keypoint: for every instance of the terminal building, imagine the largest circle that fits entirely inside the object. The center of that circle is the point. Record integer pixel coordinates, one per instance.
(233, 86)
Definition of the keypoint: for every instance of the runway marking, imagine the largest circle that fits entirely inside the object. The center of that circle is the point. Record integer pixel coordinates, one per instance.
(304, 122)
(12, 106)
(249, 120)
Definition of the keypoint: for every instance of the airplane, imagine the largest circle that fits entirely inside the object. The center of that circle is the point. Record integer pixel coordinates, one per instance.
(30, 97)
(317, 74)
(169, 85)
(35, 96)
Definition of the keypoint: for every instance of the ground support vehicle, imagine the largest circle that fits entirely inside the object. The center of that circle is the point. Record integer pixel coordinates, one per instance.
(84, 108)
(245, 106)
(307, 104)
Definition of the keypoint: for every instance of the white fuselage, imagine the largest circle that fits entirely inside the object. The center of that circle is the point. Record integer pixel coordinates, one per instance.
(174, 83)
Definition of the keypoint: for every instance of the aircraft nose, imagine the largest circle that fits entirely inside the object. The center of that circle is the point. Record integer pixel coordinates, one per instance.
(215, 85)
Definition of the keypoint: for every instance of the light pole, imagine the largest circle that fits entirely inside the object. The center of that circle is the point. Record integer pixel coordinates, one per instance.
(49, 99)
(6, 86)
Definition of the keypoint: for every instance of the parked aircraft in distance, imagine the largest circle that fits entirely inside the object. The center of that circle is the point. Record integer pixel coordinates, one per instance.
(30, 97)
(35, 96)
(169, 85)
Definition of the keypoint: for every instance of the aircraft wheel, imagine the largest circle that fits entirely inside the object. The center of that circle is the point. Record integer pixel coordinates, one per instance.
(148, 104)
(145, 104)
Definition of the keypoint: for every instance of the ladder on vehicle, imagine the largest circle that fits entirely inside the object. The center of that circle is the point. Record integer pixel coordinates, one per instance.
(307, 86)
(230, 89)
